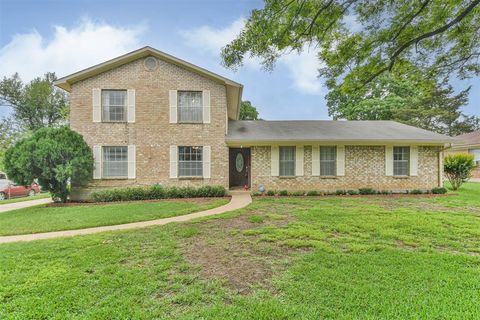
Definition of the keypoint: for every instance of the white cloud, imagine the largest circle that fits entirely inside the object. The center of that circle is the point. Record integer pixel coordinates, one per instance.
(69, 50)
(303, 66)
(210, 39)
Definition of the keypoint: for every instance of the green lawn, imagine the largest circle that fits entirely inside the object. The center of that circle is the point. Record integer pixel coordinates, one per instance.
(282, 258)
(43, 218)
(38, 196)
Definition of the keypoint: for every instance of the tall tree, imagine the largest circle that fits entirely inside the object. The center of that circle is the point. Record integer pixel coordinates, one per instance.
(247, 111)
(415, 101)
(9, 133)
(36, 104)
(359, 40)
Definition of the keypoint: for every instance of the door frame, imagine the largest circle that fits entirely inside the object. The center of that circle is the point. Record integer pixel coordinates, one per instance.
(247, 164)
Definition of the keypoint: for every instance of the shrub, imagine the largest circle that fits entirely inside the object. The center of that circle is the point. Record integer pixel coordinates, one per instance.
(385, 192)
(439, 190)
(156, 192)
(416, 191)
(283, 193)
(458, 168)
(340, 192)
(54, 156)
(367, 191)
(352, 192)
(313, 193)
(270, 193)
(297, 193)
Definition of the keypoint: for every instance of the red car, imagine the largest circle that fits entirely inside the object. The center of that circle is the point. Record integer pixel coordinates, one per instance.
(9, 189)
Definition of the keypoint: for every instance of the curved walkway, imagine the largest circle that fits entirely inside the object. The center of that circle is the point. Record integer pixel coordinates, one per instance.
(23, 204)
(238, 201)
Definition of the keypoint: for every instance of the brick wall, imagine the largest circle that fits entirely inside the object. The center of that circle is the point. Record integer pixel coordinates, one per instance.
(152, 133)
(364, 167)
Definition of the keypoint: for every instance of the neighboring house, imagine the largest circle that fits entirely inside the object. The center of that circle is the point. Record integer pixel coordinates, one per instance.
(152, 118)
(468, 143)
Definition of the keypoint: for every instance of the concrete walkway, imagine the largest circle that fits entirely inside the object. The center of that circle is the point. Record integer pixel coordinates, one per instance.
(23, 204)
(238, 201)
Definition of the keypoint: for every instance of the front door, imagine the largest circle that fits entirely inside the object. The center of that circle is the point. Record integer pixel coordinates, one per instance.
(239, 167)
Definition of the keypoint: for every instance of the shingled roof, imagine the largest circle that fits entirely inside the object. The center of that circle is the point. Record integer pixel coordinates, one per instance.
(330, 130)
(468, 139)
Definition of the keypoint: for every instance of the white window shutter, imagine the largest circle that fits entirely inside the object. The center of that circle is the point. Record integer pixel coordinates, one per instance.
(97, 160)
(413, 160)
(389, 160)
(206, 106)
(299, 160)
(173, 161)
(206, 162)
(315, 160)
(173, 105)
(132, 155)
(131, 105)
(275, 161)
(97, 104)
(340, 160)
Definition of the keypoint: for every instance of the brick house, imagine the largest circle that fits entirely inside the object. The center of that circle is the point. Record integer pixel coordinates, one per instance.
(153, 118)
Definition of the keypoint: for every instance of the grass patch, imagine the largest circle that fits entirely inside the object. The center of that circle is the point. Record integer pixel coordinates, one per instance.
(43, 218)
(255, 219)
(310, 258)
(36, 197)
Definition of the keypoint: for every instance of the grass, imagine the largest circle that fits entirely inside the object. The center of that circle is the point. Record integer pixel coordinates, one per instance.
(44, 218)
(21, 199)
(307, 258)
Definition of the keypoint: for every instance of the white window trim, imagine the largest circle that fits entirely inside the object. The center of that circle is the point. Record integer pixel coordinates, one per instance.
(130, 174)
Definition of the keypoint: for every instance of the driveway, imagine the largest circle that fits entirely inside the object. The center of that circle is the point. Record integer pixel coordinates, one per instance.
(23, 204)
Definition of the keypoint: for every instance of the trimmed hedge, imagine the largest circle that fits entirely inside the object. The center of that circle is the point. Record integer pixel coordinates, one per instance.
(157, 192)
(367, 191)
(352, 192)
(440, 190)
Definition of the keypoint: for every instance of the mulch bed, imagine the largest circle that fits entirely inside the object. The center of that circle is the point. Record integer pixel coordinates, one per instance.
(393, 195)
(92, 203)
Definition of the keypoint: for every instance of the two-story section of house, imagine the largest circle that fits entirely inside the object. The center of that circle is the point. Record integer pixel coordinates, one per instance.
(151, 118)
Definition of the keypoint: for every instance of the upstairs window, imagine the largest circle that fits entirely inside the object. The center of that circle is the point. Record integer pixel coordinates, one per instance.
(401, 161)
(287, 161)
(190, 107)
(114, 105)
(328, 160)
(190, 161)
(115, 162)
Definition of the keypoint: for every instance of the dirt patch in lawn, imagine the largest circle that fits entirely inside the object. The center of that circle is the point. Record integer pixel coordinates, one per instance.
(392, 204)
(224, 249)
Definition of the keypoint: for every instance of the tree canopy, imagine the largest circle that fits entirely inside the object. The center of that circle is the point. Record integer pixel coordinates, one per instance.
(247, 111)
(54, 156)
(36, 104)
(415, 101)
(359, 40)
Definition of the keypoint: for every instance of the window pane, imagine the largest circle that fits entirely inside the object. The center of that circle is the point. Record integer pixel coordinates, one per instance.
(287, 161)
(401, 161)
(115, 161)
(190, 161)
(328, 161)
(114, 105)
(190, 106)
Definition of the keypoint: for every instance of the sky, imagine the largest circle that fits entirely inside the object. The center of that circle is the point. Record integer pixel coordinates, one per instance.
(67, 36)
